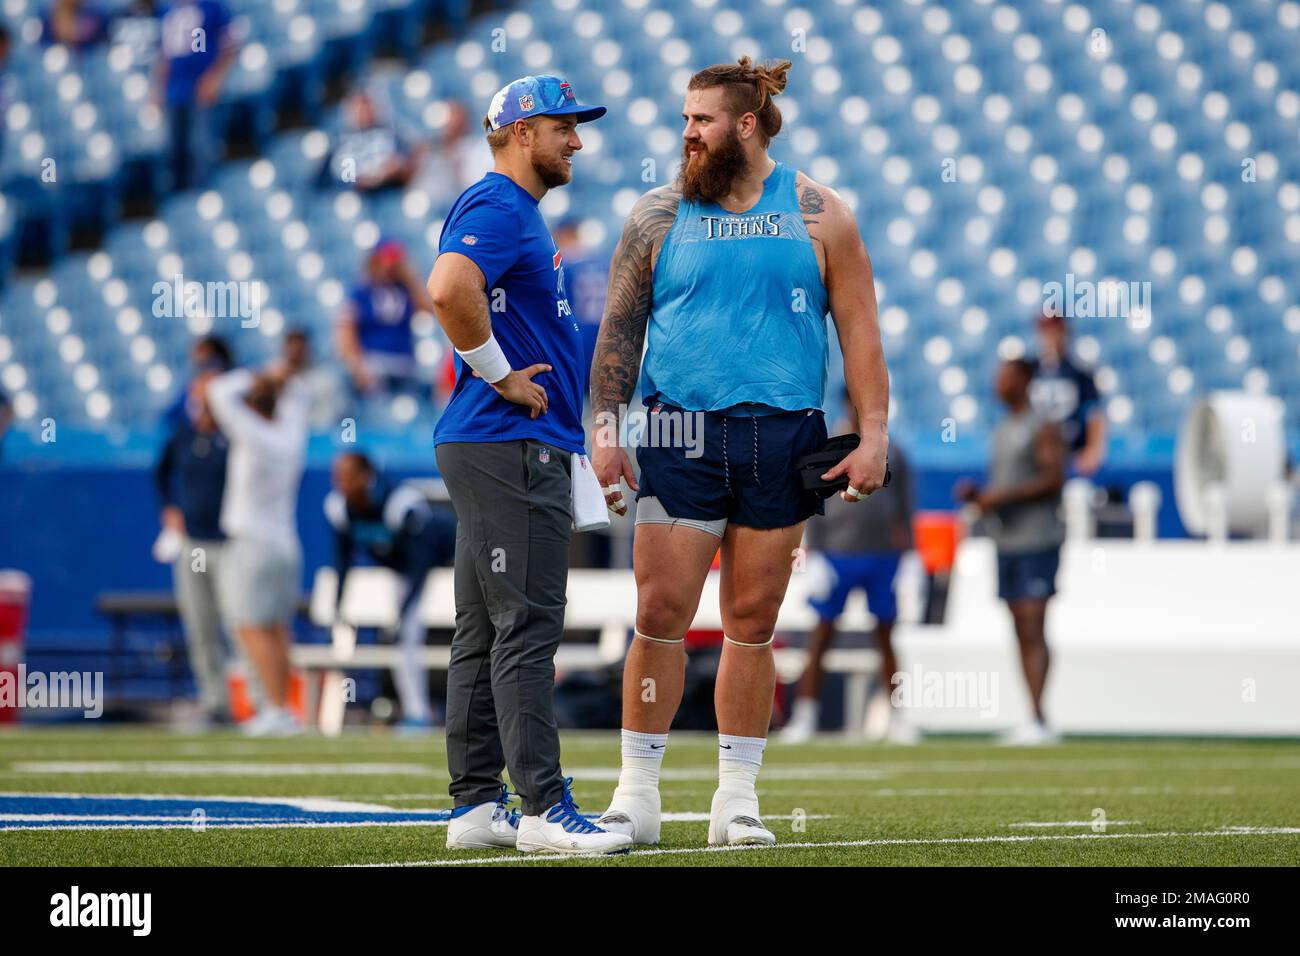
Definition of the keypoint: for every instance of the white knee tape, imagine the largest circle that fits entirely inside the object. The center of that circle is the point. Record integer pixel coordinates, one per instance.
(658, 640)
(766, 643)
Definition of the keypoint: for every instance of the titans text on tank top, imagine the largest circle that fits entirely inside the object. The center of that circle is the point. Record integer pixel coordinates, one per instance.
(738, 316)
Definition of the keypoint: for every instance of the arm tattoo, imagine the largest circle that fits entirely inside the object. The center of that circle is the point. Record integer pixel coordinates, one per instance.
(811, 202)
(617, 362)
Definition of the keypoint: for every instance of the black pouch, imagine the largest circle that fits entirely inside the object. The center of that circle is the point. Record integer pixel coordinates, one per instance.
(810, 468)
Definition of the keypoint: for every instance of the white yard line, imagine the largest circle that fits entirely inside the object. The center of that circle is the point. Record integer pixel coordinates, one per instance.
(1076, 823)
(945, 841)
(224, 768)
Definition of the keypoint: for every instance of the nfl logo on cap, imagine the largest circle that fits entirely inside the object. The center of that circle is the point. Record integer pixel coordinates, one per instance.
(526, 102)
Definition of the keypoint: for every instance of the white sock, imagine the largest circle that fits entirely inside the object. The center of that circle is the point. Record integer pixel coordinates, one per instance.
(643, 754)
(739, 760)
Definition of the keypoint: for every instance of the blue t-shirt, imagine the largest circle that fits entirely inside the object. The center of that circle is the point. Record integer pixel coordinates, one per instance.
(185, 63)
(496, 223)
(383, 318)
(1066, 394)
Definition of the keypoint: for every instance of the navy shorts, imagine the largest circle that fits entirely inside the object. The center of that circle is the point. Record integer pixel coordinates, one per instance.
(742, 469)
(874, 573)
(1028, 575)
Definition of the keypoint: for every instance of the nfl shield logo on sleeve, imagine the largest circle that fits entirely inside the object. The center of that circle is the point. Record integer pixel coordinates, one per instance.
(544, 455)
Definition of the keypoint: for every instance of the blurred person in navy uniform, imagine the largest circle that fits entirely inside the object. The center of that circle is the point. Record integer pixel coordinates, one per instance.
(1021, 504)
(1067, 394)
(373, 329)
(855, 546)
(196, 51)
(208, 354)
(396, 528)
(190, 476)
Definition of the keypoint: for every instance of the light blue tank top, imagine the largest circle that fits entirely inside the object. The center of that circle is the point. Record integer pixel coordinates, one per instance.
(738, 320)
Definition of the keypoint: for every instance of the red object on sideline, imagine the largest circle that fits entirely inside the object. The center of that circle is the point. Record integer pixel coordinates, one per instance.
(15, 599)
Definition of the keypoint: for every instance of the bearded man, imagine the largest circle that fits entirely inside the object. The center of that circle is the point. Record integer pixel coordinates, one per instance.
(726, 277)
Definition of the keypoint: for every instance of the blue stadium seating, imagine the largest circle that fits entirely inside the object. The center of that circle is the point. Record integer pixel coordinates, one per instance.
(1165, 148)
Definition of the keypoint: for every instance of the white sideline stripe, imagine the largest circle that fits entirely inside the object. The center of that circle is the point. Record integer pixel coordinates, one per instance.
(1018, 838)
(223, 768)
(314, 804)
(242, 825)
(611, 774)
(91, 821)
(1076, 823)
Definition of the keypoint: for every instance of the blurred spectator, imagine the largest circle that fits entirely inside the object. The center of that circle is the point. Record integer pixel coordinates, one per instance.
(371, 153)
(264, 416)
(190, 477)
(856, 545)
(74, 23)
(396, 528)
(137, 28)
(586, 278)
(208, 354)
(373, 328)
(1067, 394)
(459, 158)
(196, 51)
(6, 419)
(322, 384)
(1022, 501)
(7, 91)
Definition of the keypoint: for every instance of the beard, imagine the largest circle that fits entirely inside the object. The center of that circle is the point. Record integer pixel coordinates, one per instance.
(707, 174)
(553, 172)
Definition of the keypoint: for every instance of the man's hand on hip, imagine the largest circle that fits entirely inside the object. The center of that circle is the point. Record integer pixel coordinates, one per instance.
(519, 387)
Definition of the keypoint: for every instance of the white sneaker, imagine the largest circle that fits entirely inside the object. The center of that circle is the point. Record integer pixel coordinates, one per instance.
(272, 722)
(802, 724)
(486, 826)
(634, 812)
(562, 829)
(1031, 734)
(902, 731)
(734, 820)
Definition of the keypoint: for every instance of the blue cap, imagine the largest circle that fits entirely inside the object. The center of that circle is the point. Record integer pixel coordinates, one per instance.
(543, 95)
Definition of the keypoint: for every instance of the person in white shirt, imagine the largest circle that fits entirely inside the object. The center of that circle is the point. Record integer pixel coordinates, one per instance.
(264, 417)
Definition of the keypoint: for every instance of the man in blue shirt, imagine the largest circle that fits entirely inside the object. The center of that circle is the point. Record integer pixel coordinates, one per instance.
(505, 446)
(374, 333)
(197, 51)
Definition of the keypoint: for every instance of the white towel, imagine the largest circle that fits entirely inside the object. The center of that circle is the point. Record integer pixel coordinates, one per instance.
(586, 500)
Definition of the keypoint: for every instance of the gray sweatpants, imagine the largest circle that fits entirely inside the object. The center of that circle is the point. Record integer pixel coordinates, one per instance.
(195, 576)
(512, 568)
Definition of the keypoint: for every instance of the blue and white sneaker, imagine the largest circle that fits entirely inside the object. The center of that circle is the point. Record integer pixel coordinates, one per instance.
(485, 826)
(562, 829)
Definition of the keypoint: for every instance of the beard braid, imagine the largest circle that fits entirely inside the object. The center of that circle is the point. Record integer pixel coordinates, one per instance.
(714, 172)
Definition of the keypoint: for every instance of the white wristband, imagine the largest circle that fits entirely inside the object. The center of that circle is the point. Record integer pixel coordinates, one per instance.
(488, 360)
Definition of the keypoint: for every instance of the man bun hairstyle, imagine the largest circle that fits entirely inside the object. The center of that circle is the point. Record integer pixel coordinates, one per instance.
(749, 88)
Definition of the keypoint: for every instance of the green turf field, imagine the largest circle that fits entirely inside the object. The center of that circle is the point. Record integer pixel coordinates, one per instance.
(1088, 802)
